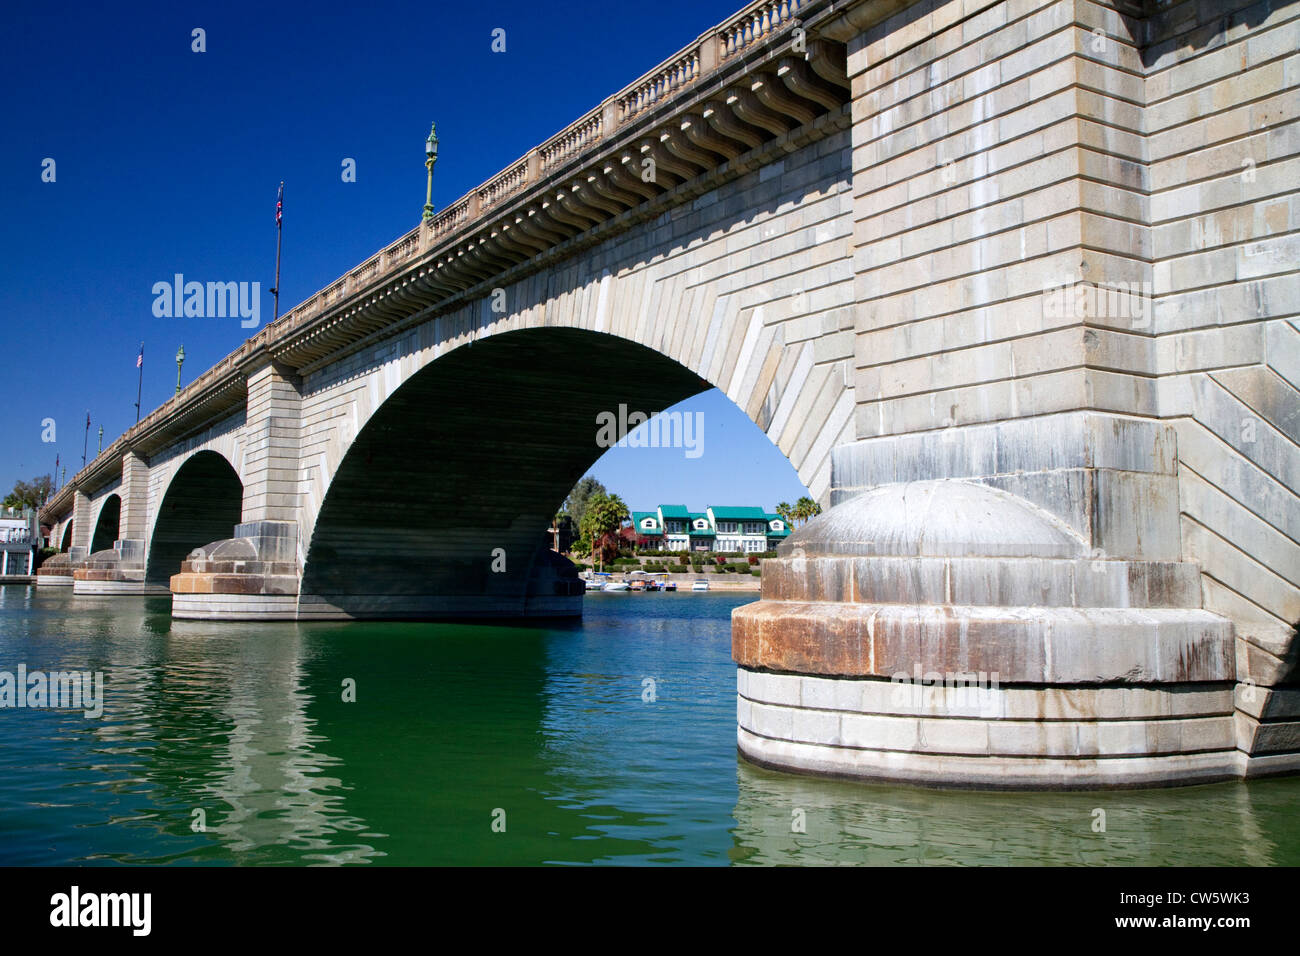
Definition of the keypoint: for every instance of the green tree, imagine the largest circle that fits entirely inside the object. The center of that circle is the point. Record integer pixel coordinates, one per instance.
(575, 505)
(30, 494)
(602, 520)
(786, 513)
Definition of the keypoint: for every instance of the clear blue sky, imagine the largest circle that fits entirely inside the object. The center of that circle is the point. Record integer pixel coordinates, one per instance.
(167, 161)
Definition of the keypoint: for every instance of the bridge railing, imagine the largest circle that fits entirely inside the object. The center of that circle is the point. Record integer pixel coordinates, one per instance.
(757, 21)
(750, 27)
(663, 82)
(570, 142)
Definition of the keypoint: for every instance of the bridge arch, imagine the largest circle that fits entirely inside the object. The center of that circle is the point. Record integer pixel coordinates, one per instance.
(65, 543)
(471, 454)
(107, 524)
(201, 504)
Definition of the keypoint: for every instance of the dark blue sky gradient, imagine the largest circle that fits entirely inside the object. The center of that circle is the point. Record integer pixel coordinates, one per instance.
(168, 161)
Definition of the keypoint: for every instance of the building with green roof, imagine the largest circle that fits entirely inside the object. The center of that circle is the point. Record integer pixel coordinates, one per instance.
(725, 528)
(647, 524)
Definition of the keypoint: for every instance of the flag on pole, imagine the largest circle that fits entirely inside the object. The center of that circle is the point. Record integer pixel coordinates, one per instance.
(87, 418)
(279, 234)
(139, 385)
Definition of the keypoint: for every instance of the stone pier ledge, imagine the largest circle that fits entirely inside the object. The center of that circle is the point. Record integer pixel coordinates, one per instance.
(949, 633)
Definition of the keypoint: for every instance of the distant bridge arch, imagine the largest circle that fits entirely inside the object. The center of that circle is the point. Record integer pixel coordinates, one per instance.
(107, 523)
(201, 504)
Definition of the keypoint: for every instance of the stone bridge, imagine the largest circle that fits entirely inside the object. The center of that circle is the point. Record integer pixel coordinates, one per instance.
(1013, 285)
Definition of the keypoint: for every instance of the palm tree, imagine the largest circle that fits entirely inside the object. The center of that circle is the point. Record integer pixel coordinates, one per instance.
(805, 509)
(786, 513)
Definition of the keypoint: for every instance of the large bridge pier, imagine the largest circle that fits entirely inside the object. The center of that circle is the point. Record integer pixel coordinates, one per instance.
(57, 571)
(251, 576)
(1002, 607)
(115, 564)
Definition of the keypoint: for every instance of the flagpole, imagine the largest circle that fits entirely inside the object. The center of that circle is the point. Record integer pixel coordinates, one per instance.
(279, 234)
(85, 441)
(139, 385)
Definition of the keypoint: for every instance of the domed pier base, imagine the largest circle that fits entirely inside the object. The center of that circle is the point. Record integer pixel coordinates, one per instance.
(56, 572)
(250, 577)
(116, 571)
(948, 633)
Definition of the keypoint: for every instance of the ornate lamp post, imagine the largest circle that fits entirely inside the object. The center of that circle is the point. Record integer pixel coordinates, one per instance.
(180, 360)
(101, 440)
(430, 157)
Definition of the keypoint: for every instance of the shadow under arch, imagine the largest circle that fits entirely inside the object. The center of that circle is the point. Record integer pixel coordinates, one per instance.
(203, 501)
(106, 525)
(473, 454)
(65, 543)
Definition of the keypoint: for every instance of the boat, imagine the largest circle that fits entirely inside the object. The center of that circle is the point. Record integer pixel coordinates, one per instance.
(660, 582)
(597, 580)
(700, 585)
(617, 586)
(636, 580)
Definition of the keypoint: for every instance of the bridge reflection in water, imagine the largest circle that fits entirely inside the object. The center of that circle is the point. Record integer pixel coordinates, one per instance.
(849, 822)
(452, 722)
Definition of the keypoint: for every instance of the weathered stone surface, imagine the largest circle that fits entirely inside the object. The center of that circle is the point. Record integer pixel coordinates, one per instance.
(1102, 475)
(993, 738)
(1029, 645)
(54, 580)
(115, 571)
(235, 607)
(991, 772)
(1268, 703)
(933, 519)
(56, 572)
(1007, 582)
(916, 694)
(1267, 737)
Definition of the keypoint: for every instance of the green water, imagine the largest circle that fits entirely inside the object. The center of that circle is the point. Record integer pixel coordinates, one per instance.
(454, 722)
